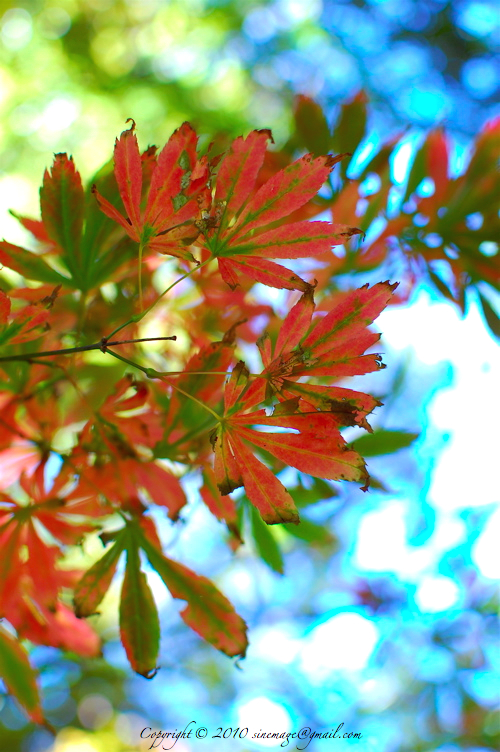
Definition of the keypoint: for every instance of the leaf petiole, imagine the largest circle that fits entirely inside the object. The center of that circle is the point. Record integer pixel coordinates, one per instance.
(151, 373)
(139, 316)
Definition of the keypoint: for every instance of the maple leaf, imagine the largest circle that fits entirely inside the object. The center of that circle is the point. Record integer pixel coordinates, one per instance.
(332, 346)
(29, 578)
(62, 207)
(177, 191)
(318, 449)
(26, 324)
(120, 434)
(222, 507)
(121, 480)
(207, 612)
(139, 623)
(241, 231)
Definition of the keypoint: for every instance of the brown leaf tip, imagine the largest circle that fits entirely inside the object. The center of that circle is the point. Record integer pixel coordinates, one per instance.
(149, 674)
(332, 160)
(269, 133)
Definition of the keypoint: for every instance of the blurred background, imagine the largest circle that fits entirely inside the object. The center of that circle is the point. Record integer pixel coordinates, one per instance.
(385, 621)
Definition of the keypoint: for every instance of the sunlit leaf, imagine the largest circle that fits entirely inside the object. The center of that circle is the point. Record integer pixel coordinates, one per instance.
(208, 612)
(94, 584)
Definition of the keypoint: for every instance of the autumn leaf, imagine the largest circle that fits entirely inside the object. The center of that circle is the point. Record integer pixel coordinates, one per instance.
(95, 583)
(176, 192)
(62, 207)
(139, 624)
(241, 231)
(208, 612)
(121, 481)
(28, 323)
(222, 507)
(318, 449)
(331, 346)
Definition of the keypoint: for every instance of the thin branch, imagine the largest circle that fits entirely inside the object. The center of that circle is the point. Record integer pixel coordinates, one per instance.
(102, 345)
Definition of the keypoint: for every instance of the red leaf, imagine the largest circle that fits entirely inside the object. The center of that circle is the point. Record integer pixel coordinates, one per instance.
(239, 169)
(128, 173)
(4, 307)
(163, 487)
(113, 213)
(222, 507)
(263, 488)
(298, 240)
(322, 456)
(285, 192)
(227, 471)
(437, 165)
(95, 583)
(230, 230)
(347, 321)
(57, 627)
(35, 226)
(208, 612)
(295, 326)
(176, 160)
(261, 270)
(174, 197)
(235, 385)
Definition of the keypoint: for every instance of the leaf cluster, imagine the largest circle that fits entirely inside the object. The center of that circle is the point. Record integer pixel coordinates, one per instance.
(229, 392)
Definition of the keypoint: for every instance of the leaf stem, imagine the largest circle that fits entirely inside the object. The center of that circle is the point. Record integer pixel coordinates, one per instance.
(139, 273)
(151, 373)
(135, 319)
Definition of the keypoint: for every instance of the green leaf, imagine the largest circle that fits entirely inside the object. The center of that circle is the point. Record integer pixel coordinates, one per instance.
(350, 128)
(491, 316)
(208, 612)
(441, 286)
(316, 535)
(319, 491)
(139, 623)
(62, 207)
(311, 126)
(418, 171)
(383, 442)
(94, 584)
(19, 676)
(30, 265)
(265, 542)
